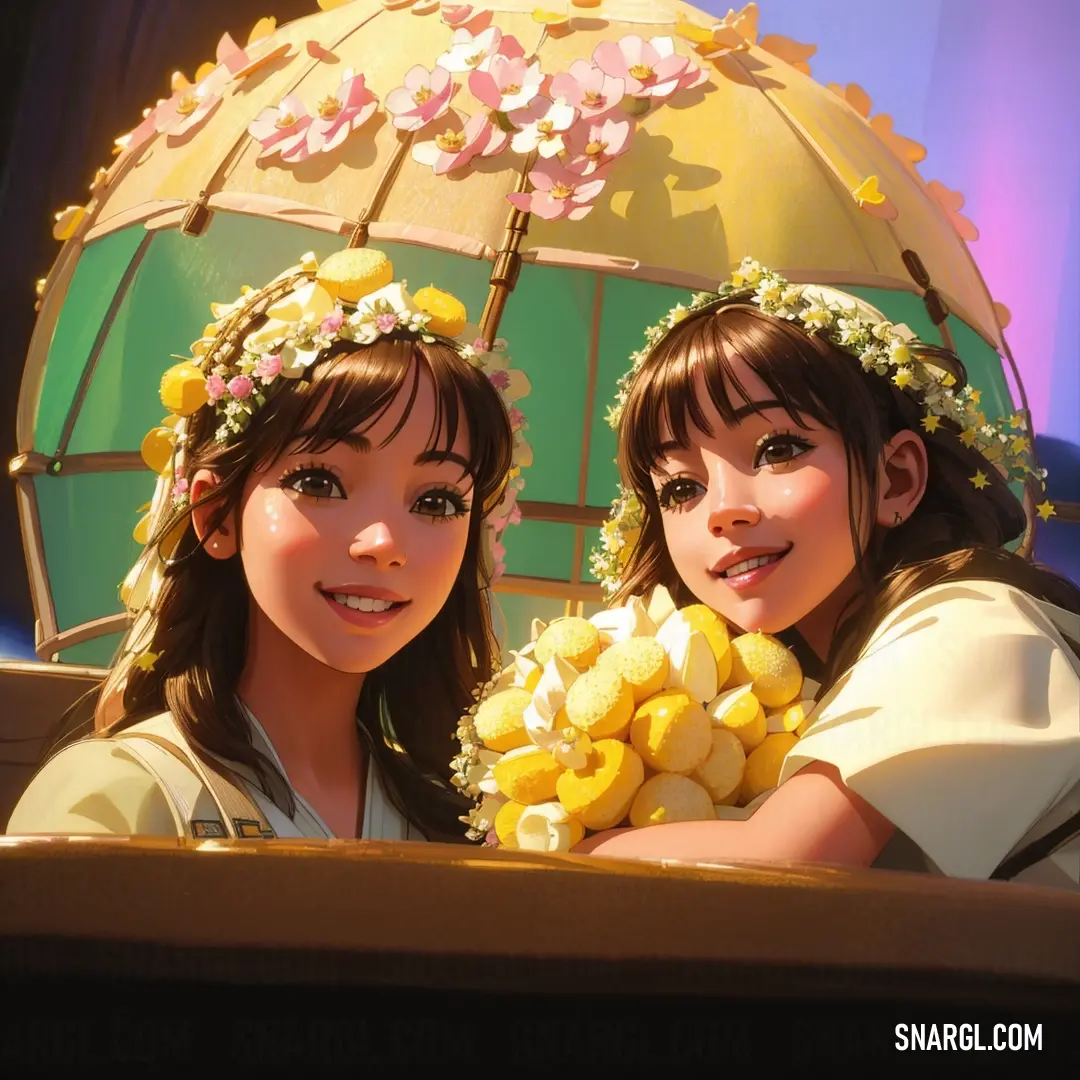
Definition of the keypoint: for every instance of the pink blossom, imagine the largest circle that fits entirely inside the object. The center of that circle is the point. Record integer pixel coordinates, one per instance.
(515, 515)
(386, 322)
(424, 97)
(268, 368)
(341, 113)
(508, 83)
(215, 388)
(543, 125)
(499, 379)
(597, 143)
(240, 387)
(649, 68)
(471, 52)
(692, 78)
(517, 417)
(332, 323)
(588, 89)
(481, 346)
(455, 149)
(283, 130)
(559, 192)
(466, 17)
(188, 109)
(180, 488)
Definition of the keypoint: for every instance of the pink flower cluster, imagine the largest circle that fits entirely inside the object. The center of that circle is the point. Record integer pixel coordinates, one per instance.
(290, 132)
(574, 121)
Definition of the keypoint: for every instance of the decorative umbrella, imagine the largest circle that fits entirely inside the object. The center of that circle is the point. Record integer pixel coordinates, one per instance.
(569, 174)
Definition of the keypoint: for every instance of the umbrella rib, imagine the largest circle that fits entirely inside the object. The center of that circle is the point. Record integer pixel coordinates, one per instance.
(816, 153)
(228, 163)
(104, 330)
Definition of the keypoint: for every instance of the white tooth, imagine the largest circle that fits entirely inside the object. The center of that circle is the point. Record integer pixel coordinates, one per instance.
(341, 598)
(367, 603)
(354, 602)
(381, 605)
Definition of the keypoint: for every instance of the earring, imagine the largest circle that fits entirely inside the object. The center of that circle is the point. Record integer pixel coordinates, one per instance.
(897, 519)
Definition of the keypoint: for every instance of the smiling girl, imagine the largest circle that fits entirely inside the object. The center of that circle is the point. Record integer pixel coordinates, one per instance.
(809, 471)
(311, 609)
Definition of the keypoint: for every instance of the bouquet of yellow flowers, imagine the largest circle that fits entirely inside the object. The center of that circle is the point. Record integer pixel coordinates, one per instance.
(644, 712)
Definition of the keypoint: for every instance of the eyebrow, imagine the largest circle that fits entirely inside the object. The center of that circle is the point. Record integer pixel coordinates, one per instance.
(362, 444)
(740, 413)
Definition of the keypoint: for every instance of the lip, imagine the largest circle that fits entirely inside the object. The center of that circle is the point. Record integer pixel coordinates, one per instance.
(374, 591)
(742, 554)
(368, 620)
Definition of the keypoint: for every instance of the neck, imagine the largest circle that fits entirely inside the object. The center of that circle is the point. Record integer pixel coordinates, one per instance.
(819, 627)
(307, 709)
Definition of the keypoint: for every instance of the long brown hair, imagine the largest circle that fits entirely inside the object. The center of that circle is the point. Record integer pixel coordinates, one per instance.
(201, 612)
(956, 532)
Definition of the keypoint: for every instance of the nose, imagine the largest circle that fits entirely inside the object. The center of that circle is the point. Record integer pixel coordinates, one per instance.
(376, 542)
(732, 504)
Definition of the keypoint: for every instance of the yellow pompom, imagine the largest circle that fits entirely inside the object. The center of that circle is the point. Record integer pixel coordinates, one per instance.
(575, 639)
(506, 821)
(527, 775)
(721, 773)
(500, 720)
(599, 795)
(157, 449)
(672, 733)
(669, 797)
(768, 666)
(763, 765)
(354, 273)
(447, 312)
(641, 661)
(183, 389)
(601, 703)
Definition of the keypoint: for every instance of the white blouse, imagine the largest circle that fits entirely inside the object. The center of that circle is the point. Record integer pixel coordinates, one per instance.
(960, 723)
(136, 787)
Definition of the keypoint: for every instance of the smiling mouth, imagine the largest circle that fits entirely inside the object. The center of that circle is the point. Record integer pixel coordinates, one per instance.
(757, 561)
(364, 603)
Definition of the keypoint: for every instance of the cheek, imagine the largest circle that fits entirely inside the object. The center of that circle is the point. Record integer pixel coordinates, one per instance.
(686, 533)
(273, 530)
(435, 553)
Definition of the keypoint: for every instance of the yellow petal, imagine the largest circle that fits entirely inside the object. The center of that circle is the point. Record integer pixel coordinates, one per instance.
(308, 263)
(178, 82)
(549, 18)
(204, 69)
(262, 29)
(157, 449)
(308, 300)
(867, 192)
(141, 532)
(67, 221)
(1046, 510)
(689, 32)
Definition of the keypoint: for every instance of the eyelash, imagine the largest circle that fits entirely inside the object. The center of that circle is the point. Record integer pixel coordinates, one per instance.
(781, 438)
(667, 495)
(291, 482)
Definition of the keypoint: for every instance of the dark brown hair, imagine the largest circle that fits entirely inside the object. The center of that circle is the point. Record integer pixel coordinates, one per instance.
(202, 609)
(956, 532)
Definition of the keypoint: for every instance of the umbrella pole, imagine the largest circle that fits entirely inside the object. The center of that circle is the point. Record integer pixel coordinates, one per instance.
(504, 275)
(359, 236)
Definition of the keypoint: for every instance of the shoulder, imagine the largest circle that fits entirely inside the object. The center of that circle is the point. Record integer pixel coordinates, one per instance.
(95, 786)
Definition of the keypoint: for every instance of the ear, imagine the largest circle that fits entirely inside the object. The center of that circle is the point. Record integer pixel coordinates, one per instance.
(902, 473)
(221, 542)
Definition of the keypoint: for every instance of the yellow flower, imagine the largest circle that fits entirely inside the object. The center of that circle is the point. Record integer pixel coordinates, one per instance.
(147, 661)
(903, 377)
(1046, 510)
(1020, 443)
(968, 437)
(931, 423)
(979, 480)
(949, 379)
(975, 396)
(1016, 421)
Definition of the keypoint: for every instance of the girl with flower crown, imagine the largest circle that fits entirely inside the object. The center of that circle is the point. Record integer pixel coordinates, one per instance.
(810, 471)
(311, 616)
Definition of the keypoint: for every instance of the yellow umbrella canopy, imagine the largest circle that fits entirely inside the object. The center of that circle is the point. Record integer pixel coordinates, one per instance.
(569, 174)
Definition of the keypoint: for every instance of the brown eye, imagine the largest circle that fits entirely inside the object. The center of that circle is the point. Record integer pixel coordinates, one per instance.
(314, 484)
(678, 491)
(441, 504)
(779, 450)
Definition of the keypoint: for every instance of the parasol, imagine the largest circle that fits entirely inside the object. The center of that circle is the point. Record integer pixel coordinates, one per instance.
(444, 136)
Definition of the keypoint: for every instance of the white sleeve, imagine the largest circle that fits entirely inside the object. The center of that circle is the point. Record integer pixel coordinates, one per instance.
(93, 787)
(960, 723)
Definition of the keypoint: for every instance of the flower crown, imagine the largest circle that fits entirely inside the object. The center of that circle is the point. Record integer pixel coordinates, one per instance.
(888, 349)
(351, 297)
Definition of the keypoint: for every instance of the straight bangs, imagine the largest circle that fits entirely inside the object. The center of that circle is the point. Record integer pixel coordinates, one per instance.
(802, 373)
(352, 388)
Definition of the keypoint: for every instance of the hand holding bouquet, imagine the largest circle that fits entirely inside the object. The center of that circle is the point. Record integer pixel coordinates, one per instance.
(645, 712)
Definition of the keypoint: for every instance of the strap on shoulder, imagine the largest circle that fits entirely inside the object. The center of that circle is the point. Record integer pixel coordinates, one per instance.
(1039, 849)
(240, 814)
